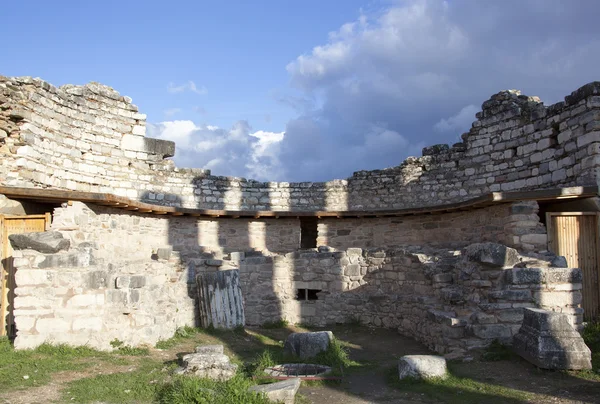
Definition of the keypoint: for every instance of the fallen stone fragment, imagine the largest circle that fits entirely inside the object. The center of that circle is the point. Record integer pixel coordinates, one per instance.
(307, 344)
(280, 392)
(492, 254)
(49, 242)
(548, 340)
(208, 362)
(422, 367)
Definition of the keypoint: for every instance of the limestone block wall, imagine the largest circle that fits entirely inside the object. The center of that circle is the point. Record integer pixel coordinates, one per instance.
(119, 233)
(450, 301)
(90, 138)
(516, 225)
(76, 298)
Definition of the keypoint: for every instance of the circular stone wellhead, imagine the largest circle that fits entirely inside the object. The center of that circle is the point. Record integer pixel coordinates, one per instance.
(298, 370)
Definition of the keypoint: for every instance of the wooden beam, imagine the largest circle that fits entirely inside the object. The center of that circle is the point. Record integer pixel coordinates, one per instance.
(59, 196)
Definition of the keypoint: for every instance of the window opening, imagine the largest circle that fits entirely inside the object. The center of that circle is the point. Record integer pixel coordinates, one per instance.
(307, 294)
(308, 232)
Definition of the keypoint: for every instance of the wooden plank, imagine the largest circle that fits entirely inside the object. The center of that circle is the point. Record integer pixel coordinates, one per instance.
(574, 235)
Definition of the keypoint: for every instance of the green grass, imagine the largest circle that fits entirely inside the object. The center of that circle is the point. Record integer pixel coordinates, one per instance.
(181, 334)
(269, 325)
(591, 336)
(129, 350)
(335, 357)
(141, 385)
(30, 368)
(458, 390)
(184, 390)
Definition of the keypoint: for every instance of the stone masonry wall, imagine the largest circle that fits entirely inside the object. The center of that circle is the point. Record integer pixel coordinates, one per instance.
(118, 282)
(453, 301)
(130, 276)
(77, 298)
(516, 225)
(90, 138)
(119, 233)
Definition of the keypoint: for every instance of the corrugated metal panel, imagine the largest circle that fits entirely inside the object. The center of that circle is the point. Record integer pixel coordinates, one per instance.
(575, 236)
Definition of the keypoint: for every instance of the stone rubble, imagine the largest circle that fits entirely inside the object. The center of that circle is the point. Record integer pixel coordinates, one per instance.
(283, 392)
(208, 362)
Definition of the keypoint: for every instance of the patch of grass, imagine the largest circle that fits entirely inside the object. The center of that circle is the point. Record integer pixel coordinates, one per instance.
(269, 325)
(139, 385)
(264, 339)
(497, 352)
(34, 367)
(129, 350)
(263, 360)
(591, 336)
(458, 390)
(181, 334)
(188, 390)
(335, 357)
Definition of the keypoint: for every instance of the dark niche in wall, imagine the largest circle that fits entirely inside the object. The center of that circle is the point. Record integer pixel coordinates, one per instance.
(308, 232)
(307, 294)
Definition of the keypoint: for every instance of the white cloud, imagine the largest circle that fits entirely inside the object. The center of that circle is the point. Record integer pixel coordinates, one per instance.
(189, 86)
(381, 87)
(391, 82)
(461, 122)
(235, 152)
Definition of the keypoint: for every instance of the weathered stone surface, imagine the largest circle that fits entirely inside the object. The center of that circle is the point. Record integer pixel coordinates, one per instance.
(421, 367)
(209, 349)
(49, 242)
(308, 344)
(492, 254)
(210, 363)
(9, 206)
(164, 253)
(279, 392)
(559, 262)
(548, 340)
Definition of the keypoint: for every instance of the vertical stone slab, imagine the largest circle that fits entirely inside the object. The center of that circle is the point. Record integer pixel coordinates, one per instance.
(220, 299)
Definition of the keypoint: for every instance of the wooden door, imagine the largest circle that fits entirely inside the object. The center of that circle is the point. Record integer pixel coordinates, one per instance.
(574, 235)
(12, 225)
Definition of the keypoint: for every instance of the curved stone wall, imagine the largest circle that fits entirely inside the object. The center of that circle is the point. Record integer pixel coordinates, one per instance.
(90, 138)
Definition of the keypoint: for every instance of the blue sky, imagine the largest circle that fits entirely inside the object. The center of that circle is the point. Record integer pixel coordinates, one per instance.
(306, 90)
(237, 50)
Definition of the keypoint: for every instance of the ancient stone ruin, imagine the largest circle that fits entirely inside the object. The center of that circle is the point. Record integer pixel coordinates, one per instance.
(448, 248)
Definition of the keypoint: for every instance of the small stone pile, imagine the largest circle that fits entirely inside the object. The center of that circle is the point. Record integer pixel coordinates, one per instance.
(208, 362)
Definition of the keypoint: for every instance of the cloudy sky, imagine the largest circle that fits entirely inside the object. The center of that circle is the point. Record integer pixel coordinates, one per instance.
(307, 90)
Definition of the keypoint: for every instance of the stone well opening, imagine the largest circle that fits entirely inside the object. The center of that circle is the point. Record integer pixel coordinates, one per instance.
(305, 371)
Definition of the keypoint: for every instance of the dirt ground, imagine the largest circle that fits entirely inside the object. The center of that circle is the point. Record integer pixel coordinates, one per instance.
(380, 349)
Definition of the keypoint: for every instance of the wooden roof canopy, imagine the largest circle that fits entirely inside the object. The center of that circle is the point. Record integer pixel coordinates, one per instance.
(45, 195)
